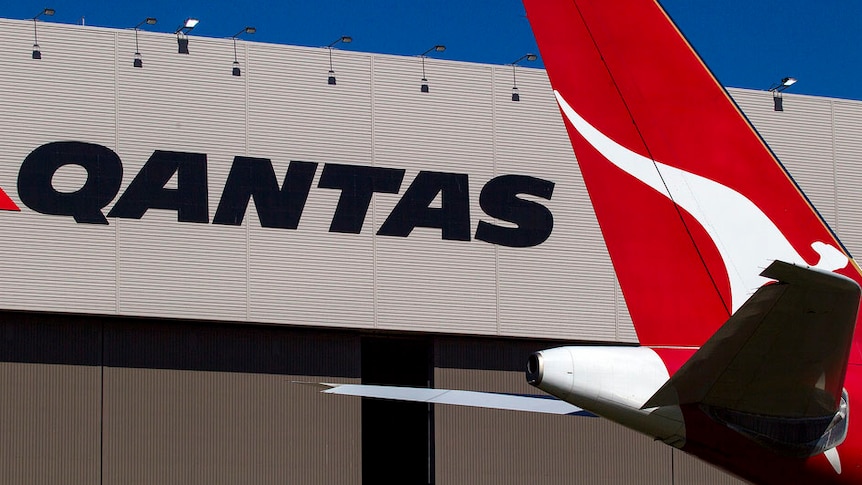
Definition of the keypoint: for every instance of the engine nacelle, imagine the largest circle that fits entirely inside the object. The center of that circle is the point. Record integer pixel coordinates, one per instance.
(613, 382)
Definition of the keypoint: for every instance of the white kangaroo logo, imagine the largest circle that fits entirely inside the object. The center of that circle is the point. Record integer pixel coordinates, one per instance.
(746, 238)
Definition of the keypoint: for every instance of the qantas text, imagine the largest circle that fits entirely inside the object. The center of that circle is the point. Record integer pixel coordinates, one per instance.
(529, 223)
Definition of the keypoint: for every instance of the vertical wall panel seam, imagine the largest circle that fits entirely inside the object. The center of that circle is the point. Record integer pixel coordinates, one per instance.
(117, 148)
(102, 404)
(374, 306)
(616, 310)
(494, 173)
(248, 219)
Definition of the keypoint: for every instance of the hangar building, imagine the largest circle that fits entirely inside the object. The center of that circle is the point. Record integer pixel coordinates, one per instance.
(192, 246)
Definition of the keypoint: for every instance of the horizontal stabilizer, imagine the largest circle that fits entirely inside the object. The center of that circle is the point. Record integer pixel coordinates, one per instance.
(513, 402)
(784, 353)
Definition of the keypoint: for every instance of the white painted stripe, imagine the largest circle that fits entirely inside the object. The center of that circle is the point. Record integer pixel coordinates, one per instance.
(744, 235)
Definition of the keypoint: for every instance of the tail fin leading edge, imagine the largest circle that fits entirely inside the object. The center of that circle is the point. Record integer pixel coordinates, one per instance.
(692, 204)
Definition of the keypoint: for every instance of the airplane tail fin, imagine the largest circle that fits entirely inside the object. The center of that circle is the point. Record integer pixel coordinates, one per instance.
(784, 353)
(775, 370)
(692, 203)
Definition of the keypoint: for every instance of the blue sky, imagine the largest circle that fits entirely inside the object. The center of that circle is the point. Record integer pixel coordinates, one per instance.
(748, 44)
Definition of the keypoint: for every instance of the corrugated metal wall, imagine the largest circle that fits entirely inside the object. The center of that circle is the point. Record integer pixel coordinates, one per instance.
(85, 89)
(115, 401)
(507, 447)
(97, 400)
(281, 108)
(50, 423)
(174, 405)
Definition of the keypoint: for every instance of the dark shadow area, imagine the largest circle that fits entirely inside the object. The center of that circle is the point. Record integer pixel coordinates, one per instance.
(231, 348)
(165, 344)
(49, 339)
(397, 437)
(501, 354)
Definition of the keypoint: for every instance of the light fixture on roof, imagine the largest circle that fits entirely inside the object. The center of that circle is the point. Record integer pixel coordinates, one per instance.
(437, 48)
(788, 81)
(138, 62)
(37, 51)
(345, 39)
(182, 34)
(530, 57)
(189, 24)
(777, 88)
(248, 30)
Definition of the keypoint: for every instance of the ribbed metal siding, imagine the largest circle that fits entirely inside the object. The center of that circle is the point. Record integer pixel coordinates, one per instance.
(102, 400)
(295, 115)
(422, 281)
(281, 108)
(52, 263)
(200, 403)
(484, 446)
(185, 427)
(49, 417)
(625, 327)
(499, 447)
(848, 158)
(167, 268)
(564, 287)
(801, 137)
(308, 275)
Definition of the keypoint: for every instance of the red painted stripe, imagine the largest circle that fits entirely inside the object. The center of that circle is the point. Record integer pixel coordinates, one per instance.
(6, 203)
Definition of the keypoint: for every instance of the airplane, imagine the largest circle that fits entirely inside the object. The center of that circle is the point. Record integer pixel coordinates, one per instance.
(743, 299)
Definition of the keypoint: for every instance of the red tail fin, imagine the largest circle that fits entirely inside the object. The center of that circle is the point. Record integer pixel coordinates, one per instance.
(691, 202)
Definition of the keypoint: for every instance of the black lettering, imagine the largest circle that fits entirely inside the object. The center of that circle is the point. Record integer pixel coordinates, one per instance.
(357, 184)
(104, 175)
(255, 177)
(499, 199)
(147, 190)
(453, 215)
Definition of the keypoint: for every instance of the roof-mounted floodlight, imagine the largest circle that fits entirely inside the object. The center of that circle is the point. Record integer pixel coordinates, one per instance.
(346, 39)
(777, 88)
(37, 51)
(182, 34)
(530, 57)
(248, 30)
(187, 26)
(423, 87)
(138, 61)
(783, 84)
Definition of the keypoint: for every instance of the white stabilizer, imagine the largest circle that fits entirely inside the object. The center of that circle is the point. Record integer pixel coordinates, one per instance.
(512, 402)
